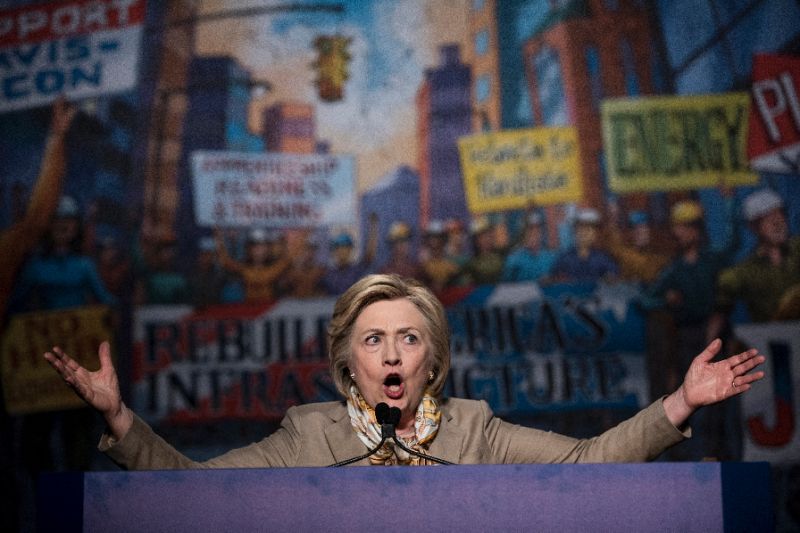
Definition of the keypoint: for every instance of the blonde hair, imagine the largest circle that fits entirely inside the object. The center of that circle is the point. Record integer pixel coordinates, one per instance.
(376, 288)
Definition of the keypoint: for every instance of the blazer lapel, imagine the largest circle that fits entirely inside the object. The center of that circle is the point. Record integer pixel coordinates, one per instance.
(342, 439)
(448, 442)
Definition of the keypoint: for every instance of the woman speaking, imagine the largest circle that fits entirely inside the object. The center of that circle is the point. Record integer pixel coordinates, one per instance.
(388, 343)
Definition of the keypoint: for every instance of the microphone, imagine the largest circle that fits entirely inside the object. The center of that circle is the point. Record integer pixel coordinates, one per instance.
(388, 418)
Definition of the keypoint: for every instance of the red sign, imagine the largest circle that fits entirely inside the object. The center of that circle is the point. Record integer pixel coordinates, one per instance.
(48, 22)
(774, 142)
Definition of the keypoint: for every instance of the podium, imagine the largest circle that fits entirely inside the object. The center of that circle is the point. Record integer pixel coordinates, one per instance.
(703, 497)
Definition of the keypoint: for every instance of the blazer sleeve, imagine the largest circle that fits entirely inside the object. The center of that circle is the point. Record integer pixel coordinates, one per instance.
(142, 449)
(642, 437)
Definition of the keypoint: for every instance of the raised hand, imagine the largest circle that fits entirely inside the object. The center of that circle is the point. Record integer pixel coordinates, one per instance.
(100, 389)
(707, 382)
(63, 113)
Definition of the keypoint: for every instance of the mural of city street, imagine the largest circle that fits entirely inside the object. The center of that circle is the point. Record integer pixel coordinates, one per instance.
(594, 189)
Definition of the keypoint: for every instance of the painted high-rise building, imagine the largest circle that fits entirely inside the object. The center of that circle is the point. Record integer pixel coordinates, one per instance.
(290, 127)
(588, 51)
(498, 30)
(216, 119)
(444, 114)
(395, 198)
(219, 98)
(162, 95)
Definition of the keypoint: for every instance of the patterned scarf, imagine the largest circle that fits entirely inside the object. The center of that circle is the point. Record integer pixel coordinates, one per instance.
(426, 425)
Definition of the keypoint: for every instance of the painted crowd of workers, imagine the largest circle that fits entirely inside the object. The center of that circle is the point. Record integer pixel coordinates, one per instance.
(696, 283)
(687, 288)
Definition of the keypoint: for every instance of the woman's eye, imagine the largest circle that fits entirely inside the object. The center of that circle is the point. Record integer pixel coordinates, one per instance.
(372, 340)
(411, 338)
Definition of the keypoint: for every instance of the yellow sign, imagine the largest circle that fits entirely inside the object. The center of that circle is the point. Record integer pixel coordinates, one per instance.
(671, 143)
(509, 169)
(29, 383)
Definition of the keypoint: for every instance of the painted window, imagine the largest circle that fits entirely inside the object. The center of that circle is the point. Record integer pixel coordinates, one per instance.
(629, 68)
(594, 72)
(550, 84)
(483, 88)
(482, 42)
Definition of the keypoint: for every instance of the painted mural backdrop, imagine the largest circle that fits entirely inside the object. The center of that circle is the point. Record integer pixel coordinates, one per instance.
(594, 189)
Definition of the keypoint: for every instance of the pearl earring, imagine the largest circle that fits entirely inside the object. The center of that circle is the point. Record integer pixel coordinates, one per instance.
(431, 375)
(353, 376)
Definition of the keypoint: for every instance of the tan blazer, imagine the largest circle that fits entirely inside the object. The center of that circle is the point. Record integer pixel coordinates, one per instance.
(320, 434)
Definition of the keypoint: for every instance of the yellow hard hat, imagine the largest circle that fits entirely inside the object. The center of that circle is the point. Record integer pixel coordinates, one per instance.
(686, 212)
(398, 231)
(479, 225)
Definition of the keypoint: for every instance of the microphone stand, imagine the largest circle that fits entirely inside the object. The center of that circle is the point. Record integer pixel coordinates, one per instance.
(388, 418)
(420, 454)
(364, 456)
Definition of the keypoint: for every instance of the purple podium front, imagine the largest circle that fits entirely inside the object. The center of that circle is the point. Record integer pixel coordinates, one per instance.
(597, 497)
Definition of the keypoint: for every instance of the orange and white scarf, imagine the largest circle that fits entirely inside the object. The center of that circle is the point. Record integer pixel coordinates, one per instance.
(426, 425)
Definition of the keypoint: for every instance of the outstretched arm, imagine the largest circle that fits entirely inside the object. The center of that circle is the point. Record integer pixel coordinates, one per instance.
(708, 382)
(44, 197)
(99, 389)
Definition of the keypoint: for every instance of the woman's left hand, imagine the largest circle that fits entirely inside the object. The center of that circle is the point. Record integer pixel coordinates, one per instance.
(707, 382)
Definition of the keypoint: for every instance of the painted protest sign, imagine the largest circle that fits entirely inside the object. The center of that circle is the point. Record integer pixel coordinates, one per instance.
(240, 189)
(522, 348)
(770, 408)
(78, 49)
(774, 144)
(508, 169)
(528, 349)
(29, 384)
(230, 362)
(672, 143)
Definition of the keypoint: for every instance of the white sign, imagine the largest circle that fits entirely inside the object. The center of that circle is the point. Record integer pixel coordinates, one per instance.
(77, 49)
(238, 189)
(770, 409)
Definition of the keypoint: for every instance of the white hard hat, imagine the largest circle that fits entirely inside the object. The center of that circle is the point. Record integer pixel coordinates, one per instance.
(534, 219)
(67, 207)
(759, 203)
(257, 236)
(587, 215)
(435, 227)
(207, 244)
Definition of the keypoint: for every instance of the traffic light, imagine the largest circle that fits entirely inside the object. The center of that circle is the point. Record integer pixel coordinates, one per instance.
(331, 65)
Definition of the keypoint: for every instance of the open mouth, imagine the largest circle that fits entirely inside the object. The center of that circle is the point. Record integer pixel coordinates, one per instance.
(393, 386)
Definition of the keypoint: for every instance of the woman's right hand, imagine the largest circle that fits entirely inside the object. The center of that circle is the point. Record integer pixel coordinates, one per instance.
(100, 389)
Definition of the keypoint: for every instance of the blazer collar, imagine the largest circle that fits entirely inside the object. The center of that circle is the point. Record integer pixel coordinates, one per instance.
(342, 439)
(449, 440)
(344, 444)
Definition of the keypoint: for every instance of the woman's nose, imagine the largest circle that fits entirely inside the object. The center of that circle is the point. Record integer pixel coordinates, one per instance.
(391, 355)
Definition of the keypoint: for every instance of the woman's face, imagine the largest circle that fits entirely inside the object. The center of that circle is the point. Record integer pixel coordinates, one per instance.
(640, 235)
(390, 356)
(63, 231)
(533, 236)
(341, 255)
(585, 235)
(773, 228)
(484, 242)
(686, 235)
(259, 252)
